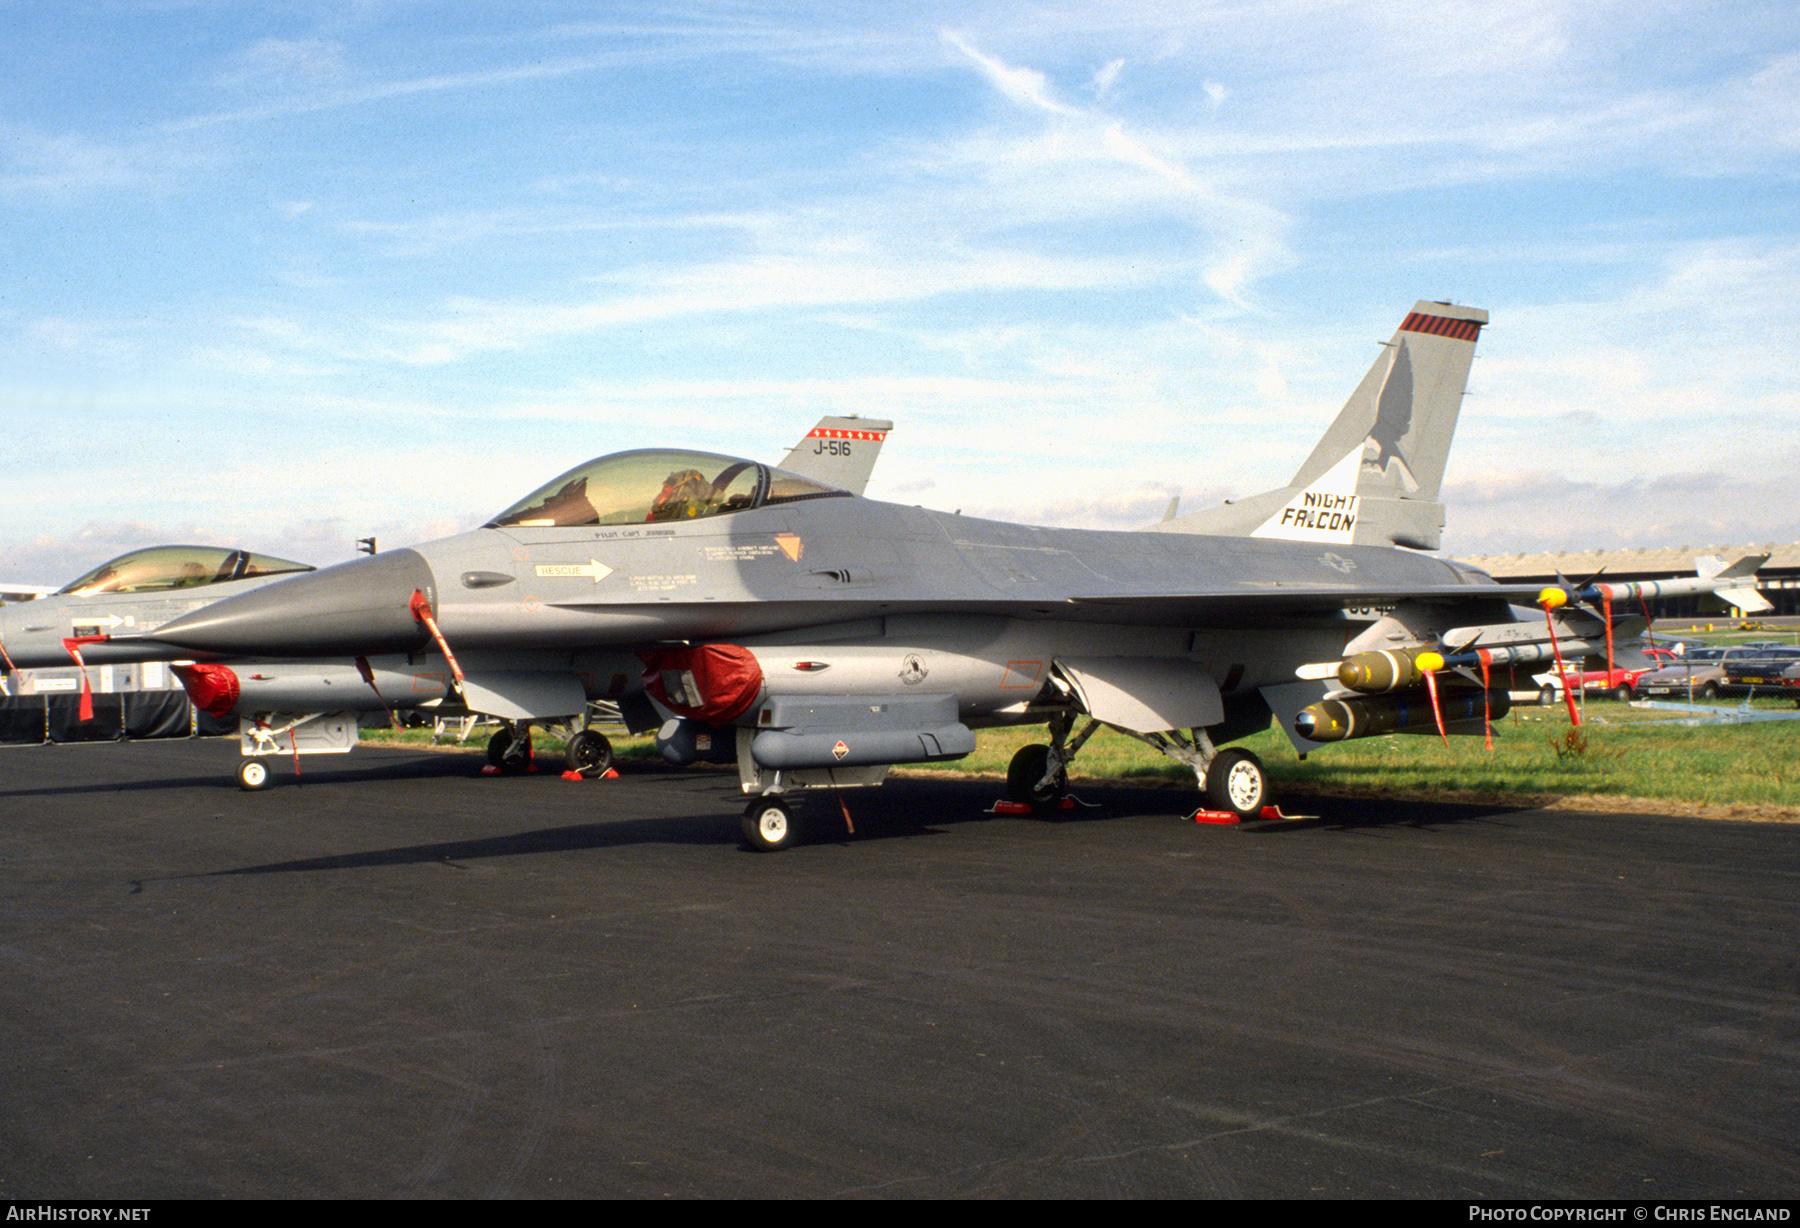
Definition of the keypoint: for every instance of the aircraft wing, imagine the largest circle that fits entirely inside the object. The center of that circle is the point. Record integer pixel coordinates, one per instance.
(1162, 608)
(1276, 599)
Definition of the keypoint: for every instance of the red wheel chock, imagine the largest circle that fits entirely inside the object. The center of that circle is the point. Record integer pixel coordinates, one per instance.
(1225, 817)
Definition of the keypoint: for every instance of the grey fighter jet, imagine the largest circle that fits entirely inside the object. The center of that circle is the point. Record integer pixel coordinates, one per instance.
(817, 638)
(312, 706)
(124, 597)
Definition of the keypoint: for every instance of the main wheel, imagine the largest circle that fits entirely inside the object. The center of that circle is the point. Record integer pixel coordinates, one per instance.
(1237, 782)
(253, 774)
(589, 753)
(1027, 769)
(769, 826)
(507, 754)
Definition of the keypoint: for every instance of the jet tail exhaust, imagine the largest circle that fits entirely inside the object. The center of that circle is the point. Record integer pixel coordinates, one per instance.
(1373, 478)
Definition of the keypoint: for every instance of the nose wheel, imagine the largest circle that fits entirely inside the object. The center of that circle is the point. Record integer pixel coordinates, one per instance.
(253, 774)
(769, 825)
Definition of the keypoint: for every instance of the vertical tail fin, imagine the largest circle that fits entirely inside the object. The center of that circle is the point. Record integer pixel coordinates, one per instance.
(840, 452)
(1373, 479)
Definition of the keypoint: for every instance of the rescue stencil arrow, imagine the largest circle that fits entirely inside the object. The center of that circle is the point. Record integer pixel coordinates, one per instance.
(593, 567)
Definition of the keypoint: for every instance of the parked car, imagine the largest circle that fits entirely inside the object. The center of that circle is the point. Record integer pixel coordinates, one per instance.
(1760, 667)
(1679, 645)
(1618, 681)
(1699, 672)
(1790, 681)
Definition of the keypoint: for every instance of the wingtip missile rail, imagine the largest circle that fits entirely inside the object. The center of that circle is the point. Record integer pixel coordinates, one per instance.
(1734, 584)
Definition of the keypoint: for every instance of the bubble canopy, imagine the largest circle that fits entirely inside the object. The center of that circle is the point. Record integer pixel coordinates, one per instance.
(658, 484)
(169, 567)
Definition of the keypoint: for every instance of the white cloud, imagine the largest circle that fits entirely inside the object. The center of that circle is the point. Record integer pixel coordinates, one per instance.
(72, 164)
(1672, 505)
(1074, 286)
(285, 64)
(1079, 159)
(823, 277)
(1106, 77)
(1024, 86)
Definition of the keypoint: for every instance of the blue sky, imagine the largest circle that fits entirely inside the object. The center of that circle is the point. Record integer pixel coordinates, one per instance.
(286, 275)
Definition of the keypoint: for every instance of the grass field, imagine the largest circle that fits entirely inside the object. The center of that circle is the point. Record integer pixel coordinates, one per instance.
(1619, 752)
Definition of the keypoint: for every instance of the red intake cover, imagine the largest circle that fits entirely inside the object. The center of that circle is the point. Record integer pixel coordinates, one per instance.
(726, 678)
(213, 688)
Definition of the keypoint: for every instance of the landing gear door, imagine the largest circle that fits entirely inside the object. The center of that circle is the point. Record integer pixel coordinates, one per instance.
(1144, 694)
(525, 695)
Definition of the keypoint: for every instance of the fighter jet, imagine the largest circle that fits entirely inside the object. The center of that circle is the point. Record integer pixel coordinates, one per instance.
(122, 597)
(817, 638)
(312, 707)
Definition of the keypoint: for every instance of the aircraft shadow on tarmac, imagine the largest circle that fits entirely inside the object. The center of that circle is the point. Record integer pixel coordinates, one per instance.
(363, 767)
(935, 809)
(700, 826)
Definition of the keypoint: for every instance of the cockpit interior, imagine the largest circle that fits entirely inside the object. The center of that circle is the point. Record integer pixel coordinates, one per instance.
(157, 568)
(652, 485)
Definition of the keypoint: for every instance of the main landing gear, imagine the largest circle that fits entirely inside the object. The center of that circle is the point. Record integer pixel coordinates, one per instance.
(586, 751)
(1033, 779)
(510, 748)
(1232, 781)
(1038, 775)
(589, 753)
(1235, 782)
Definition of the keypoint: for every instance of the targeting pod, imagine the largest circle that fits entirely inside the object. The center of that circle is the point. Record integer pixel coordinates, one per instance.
(1388, 669)
(1339, 720)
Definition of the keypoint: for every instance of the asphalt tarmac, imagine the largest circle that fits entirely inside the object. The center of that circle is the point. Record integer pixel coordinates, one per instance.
(399, 978)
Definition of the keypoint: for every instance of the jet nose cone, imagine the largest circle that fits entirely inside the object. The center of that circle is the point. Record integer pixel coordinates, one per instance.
(349, 610)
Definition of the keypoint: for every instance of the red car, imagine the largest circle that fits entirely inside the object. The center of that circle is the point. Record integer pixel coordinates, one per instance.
(1617, 680)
